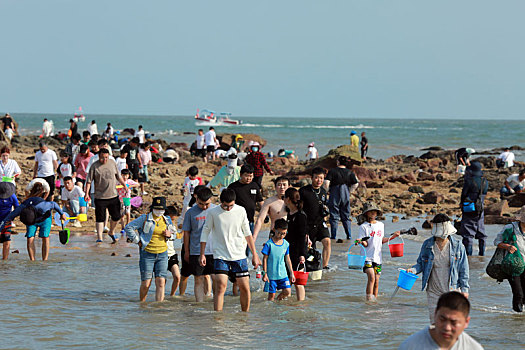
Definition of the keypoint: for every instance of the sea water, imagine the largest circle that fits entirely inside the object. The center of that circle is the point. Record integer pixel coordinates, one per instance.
(387, 137)
(84, 297)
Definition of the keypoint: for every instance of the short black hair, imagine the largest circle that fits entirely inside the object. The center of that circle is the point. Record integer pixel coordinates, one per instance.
(439, 218)
(76, 137)
(125, 172)
(204, 194)
(228, 195)
(84, 148)
(280, 224)
(342, 160)
(247, 168)
(318, 170)
(140, 126)
(193, 170)
(102, 142)
(63, 153)
(201, 130)
(211, 128)
(104, 151)
(67, 178)
(135, 140)
(454, 301)
(281, 179)
(170, 209)
(95, 137)
(92, 143)
(86, 133)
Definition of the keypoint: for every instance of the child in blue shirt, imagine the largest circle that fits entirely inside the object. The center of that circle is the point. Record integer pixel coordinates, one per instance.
(275, 256)
(40, 216)
(8, 200)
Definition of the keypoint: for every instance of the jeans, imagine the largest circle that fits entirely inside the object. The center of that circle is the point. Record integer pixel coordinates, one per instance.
(75, 208)
(150, 263)
(339, 206)
(505, 191)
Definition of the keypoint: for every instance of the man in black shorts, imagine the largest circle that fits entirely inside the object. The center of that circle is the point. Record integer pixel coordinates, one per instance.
(314, 199)
(104, 173)
(133, 159)
(194, 220)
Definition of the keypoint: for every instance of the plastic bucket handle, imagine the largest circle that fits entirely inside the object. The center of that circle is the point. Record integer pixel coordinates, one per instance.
(402, 240)
(363, 250)
(406, 279)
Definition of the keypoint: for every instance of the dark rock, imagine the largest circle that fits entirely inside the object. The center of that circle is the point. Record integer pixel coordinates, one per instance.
(453, 190)
(497, 220)
(395, 218)
(487, 162)
(432, 197)
(434, 163)
(424, 176)
(497, 208)
(364, 174)
(374, 184)
(113, 254)
(410, 159)
(416, 189)
(128, 255)
(427, 225)
(517, 200)
(432, 148)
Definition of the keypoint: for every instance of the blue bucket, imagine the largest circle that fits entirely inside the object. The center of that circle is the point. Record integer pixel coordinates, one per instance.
(82, 202)
(406, 280)
(356, 262)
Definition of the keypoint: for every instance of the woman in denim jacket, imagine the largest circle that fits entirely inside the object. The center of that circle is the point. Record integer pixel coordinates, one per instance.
(151, 231)
(443, 261)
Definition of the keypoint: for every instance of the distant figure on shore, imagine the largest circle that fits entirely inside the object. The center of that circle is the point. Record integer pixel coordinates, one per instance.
(7, 120)
(515, 183)
(92, 128)
(463, 158)
(47, 128)
(73, 128)
(141, 134)
(238, 142)
(210, 139)
(108, 134)
(9, 133)
(472, 206)
(312, 153)
(505, 159)
(364, 146)
(354, 140)
(258, 161)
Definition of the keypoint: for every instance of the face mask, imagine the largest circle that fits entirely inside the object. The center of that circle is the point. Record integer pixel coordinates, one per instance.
(158, 212)
(255, 149)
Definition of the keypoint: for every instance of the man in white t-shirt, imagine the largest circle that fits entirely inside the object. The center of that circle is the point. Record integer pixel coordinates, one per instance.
(515, 183)
(141, 134)
(210, 139)
(452, 318)
(47, 128)
(228, 228)
(312, 152)
(505, 159)
(46, 165)
(200, 145)
(69, 196)
(92, 128)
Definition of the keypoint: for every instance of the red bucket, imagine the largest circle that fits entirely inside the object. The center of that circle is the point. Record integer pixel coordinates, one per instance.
(396, 250)
(301, 277)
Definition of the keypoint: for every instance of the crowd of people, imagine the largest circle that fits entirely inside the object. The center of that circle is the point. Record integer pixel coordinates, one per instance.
(218, 238)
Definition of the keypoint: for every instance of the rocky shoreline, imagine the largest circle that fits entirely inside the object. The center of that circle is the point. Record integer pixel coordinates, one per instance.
(406, 186)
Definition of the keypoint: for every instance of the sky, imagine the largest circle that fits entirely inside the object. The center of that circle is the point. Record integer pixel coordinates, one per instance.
(380, 59)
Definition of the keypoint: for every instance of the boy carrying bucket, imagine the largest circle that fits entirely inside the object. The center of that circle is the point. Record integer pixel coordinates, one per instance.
(375, 230)
(275, 260)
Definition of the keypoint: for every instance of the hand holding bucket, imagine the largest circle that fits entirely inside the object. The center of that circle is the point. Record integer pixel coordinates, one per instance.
(396, 250)
(301, 277)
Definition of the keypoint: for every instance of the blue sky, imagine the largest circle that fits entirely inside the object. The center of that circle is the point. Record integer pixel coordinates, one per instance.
(413, 59)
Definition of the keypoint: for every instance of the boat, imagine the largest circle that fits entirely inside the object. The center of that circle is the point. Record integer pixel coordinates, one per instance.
(207, 116)
(79, 115)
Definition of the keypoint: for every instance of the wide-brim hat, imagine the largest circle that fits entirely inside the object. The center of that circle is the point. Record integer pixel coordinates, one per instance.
(445, 228)
(352, 132)
(475, 169)
(470, 150)
(520, 216)
(159, 203)
(371, 206)
(7, 189)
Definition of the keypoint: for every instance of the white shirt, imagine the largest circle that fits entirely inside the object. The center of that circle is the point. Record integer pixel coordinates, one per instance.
(121, 164)
(514, 181)
(65, 170)
(227, 230)
(376, 232)
(9, 169)
(422, 340)
(507, 157)
(92, 128)
(47, 128)
(9, 133)
(209, 138)
(141, 135)
(74, 194)
(200, 141)
(312, 153)
(45, 163)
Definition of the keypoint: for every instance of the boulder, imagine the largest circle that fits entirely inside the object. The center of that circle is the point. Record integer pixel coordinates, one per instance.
(487, 162)
(497, 208)
(374, 184)
(434, 163)
(416, 189)
(432, 197)
(427, 225)
(517, 200)
(432, 148)
(424, 176)
(364, 174)
(497, 220)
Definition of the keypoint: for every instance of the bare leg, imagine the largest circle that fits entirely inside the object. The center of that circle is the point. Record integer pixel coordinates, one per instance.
(326, 250)
(220, 281)
(376, 285)
(144, 288)
(45, 248)
(100, 230)
(235, 288)
(176, 279)
(271, 296)
(284, 294)
(199, 288)
(183, 284)
(208, 287)
(5, 250)
(160, 284)
(370, 273)
(244, 286)
(31, 248)
(112, 226)
(300, 293)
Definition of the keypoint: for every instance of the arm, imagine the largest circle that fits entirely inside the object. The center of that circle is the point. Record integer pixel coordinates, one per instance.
(301, 229)
(55, 164)
(186, 239)
(140, 159)
(132, 228)
(35, 169)
(206, 230)
(498, 241)
(394, 235)
(289, 264)
(265, 165)
(265, 268)
(463, 271)
(418, 267)
(260, 220)
(11, 216)
(255, 260)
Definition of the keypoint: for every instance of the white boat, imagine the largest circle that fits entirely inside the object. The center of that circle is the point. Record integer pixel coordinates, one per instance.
(207, 116)
(79, 115)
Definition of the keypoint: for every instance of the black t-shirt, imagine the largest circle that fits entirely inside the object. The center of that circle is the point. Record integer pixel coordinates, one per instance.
(341, 176)
(297, 236)
(247, 197)
(133, 152)
(313, 201)
(7, 122)
(364, 141)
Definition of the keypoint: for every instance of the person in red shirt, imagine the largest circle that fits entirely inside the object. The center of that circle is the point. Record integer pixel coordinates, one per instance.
(81, 163)
(257, 160)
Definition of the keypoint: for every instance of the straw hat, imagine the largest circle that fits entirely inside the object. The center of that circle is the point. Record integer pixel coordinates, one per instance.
(370, 206)
(520, 216)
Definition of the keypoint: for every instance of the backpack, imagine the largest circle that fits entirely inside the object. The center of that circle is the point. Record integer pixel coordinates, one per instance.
(28, 215)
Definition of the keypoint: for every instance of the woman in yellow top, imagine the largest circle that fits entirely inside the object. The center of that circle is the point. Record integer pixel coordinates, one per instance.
(151, 231)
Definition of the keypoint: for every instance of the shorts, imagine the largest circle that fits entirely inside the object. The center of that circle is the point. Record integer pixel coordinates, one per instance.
(5, 237)
(134, 170)
(112, 205)
(197, 270)
(172, 261)
(200, 153)
(185, 269)
(44, 229)
(317, 232)
(51, 181)
(210, 149)
(143, 174)
(273, 286)
(234, 269)
(126, 209)
(372, 265)
(150, 264)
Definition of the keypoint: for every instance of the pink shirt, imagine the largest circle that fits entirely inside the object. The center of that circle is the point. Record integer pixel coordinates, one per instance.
(81, 163)
(145, 156)
(126, 191)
